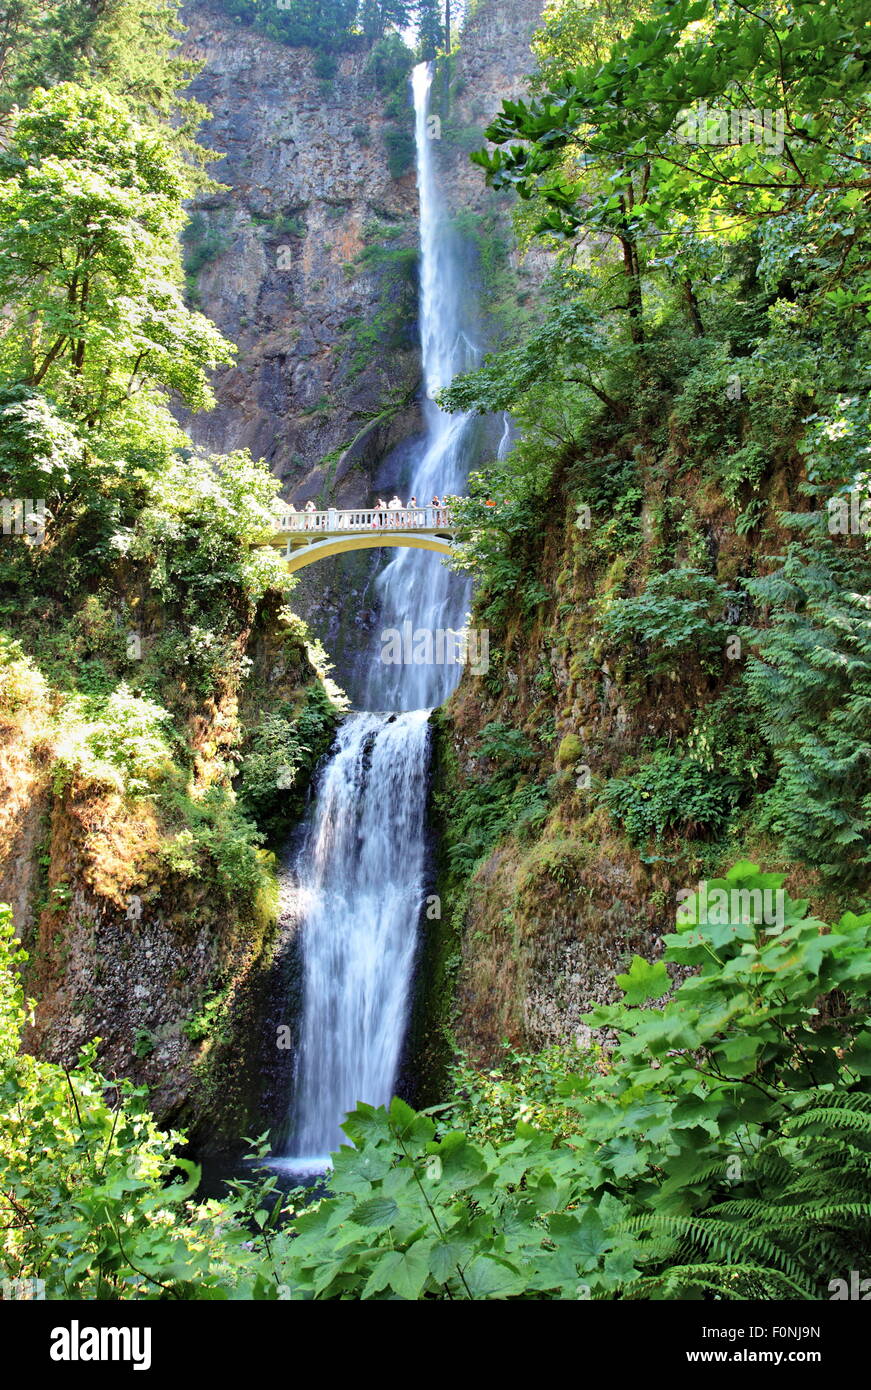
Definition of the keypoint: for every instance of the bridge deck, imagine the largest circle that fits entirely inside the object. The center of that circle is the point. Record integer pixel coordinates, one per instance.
(297, 529)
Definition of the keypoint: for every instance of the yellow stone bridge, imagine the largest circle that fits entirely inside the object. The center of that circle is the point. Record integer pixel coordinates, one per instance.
(311, 536)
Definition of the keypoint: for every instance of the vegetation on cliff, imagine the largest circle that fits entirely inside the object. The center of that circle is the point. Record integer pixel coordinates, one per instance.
(672, 562)
(138, 604)
(693, 404)
(334, 25)
(721, 1147)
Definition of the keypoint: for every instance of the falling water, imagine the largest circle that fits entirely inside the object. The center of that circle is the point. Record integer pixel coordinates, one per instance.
(359, 874)
(416, 585)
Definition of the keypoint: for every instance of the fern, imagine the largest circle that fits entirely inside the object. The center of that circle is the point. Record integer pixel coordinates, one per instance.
(801, 1206)
(810, 682)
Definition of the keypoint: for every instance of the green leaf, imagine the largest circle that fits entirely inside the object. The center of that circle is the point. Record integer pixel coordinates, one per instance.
(411, 1270)
(375, 1211)
(486, 1277)
(644, 981)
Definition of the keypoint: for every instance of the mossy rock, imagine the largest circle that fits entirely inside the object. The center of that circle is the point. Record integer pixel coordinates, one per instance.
(570, 751)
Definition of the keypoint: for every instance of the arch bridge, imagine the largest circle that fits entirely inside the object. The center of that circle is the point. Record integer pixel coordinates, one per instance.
(311, 536)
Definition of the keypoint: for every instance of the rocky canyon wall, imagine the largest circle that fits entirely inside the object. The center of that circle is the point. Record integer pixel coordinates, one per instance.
(307, 259)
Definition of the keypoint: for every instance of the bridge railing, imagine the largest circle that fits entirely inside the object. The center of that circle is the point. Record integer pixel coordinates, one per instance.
(395, 519)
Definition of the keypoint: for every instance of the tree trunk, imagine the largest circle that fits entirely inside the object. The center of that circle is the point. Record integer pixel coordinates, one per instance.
(692, 307)
(634, 300)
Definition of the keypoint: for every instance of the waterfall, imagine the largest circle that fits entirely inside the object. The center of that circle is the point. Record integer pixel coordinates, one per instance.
(416, 585)
(358, 876)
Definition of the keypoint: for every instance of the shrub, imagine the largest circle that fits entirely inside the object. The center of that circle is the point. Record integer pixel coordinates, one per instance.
(121, 740)
(283, 751)
(400, 150)
(679, 614)
(672, 792)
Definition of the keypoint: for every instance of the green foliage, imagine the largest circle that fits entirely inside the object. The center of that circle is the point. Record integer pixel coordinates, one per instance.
(130, 47)
(329, 25)
(90, 202)
(393, 268)
(610, 149)
(118, 740)
(809, 682)
(678, 615)
(724, 1152)
(430, 29)
(522, 1088)
(324, 24)
(568, 343)
(215, 843)
(505, 744)
(208, 1021)
(203, 243)
(721, 1148)
(390, 63)
(672, 792)
(91, 1201)
(400, 150)
(490, 805)
(198, 535)
(283, 751)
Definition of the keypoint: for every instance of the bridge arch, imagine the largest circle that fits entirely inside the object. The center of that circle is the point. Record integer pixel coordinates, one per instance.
(301, 556)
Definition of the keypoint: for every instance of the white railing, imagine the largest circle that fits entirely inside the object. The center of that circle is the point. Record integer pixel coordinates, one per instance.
(395, 519)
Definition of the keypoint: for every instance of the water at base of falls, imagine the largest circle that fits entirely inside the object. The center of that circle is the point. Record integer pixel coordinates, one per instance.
(359, 886)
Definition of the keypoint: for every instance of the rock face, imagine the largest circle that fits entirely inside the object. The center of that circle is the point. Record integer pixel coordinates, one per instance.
(328, 370)
(165, 967)
(491, 65)
(307, 187)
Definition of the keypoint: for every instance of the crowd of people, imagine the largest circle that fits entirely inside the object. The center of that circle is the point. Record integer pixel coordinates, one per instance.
(392, 513)
(408, 515)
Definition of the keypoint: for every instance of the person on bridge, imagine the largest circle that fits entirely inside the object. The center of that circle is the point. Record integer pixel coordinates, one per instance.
(380, 506)
(411, 515)
(309, 521)
(395, 505)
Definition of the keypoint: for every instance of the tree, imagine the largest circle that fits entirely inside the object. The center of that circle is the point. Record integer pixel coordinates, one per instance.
(96, 333)
(430, 30)
(377, 16)
(130, 47)
(631, 148)
(91, 205)
(324, 24)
